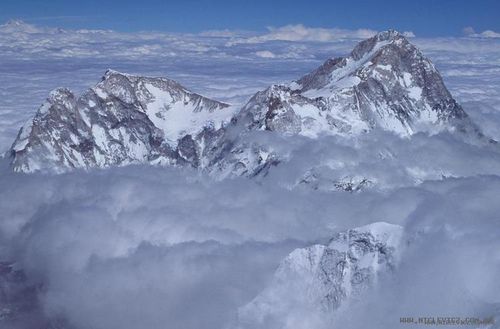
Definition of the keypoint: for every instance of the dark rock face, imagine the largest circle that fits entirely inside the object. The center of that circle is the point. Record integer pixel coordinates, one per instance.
(317, 181)
(384, 83)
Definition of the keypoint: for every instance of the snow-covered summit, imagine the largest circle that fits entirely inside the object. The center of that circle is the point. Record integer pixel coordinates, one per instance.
(123, 119)
(321, 278)
(17, 26)
(385, 82)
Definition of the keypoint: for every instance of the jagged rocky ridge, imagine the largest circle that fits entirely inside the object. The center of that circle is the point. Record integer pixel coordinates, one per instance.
(324, 277)
(124, 119)
(384, 83)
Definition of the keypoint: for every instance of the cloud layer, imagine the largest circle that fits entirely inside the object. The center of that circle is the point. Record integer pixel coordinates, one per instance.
(142, 246)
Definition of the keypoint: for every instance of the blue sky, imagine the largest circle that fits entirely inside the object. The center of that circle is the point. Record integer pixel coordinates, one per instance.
(424, 17)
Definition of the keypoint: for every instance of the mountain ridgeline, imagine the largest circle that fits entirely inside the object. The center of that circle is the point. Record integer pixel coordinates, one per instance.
(384, 83)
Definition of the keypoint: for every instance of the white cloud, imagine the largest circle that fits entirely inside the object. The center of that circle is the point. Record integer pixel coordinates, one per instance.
(222, 33)
(444, 266)
(300, 32)
(489, 34)
(409, 34)
(470, 32)
(142, 246)
(265, 54)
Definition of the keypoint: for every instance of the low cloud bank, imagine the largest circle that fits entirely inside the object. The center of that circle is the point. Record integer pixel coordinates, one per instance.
(144, 247)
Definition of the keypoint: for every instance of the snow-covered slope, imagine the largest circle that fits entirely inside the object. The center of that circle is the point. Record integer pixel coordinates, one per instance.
(322, 278)
(123, 119)
(385, 82)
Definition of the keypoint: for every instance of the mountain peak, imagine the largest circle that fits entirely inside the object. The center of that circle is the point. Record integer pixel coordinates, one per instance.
(378, 41)
(110, 73)
(113, 79)
(123, 119)
(14, 22)
(325, 277)
(385, 82)
(389, 35)
(17, 25)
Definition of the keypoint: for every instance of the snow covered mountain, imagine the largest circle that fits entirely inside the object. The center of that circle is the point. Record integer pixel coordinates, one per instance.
(385, 83)
(18, 26)
(323, 278)
(124, 119)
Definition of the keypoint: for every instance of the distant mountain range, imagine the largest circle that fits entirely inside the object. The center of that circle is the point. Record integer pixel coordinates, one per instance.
(384, 83)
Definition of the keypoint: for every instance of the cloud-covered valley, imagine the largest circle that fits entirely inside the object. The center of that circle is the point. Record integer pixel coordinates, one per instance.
(156, 247)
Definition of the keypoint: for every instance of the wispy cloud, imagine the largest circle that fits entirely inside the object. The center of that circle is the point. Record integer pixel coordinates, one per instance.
(300, 32)
(65, 18)
(470, 32)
